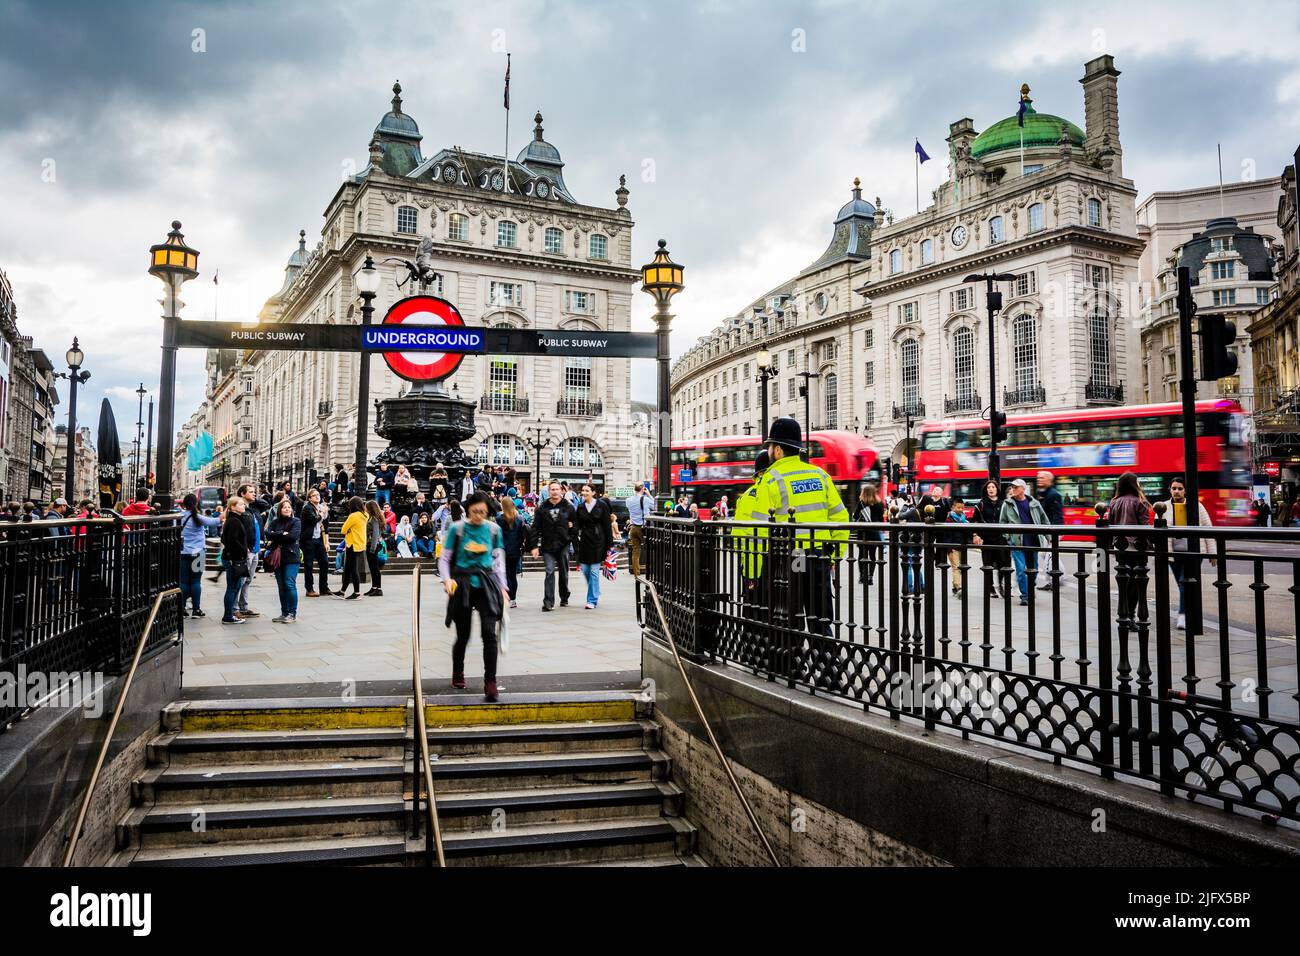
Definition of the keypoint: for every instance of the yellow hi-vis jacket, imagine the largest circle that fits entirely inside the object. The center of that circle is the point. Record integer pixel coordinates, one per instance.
(792, 483)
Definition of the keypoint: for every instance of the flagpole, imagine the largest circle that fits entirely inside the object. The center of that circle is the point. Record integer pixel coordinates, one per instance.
(506, 158)
(916, 162)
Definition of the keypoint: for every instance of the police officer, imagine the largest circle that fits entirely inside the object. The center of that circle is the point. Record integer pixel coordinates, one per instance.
(756, 587)
(796, 490)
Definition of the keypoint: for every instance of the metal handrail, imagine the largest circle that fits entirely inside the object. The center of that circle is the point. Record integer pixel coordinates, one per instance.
(699, 712)
(433, 833)
(112, 725)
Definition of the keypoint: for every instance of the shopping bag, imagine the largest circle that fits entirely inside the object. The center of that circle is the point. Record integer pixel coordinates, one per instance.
(503, 629)
(609, 568)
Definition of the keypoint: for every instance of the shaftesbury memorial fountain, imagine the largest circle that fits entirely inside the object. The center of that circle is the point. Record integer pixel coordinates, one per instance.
(425, 426)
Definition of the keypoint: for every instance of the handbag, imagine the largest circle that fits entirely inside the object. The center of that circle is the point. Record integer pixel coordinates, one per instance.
(272, 560)
(239, 569)
(503, 630)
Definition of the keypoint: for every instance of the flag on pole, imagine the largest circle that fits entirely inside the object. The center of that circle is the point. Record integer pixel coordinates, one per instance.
(214, 277)
(507, 99)
(1020, 111)
(921, 153)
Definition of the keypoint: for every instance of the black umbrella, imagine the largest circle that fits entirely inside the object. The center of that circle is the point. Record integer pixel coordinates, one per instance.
(110, 458)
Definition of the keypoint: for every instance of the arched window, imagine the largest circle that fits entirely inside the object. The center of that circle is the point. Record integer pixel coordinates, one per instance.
(598, 247)
(407, 219)
(577, 453)
(995, 229)
(910, 352)
(1094, 212)
(896, 261)
(458, 227)
(927, 251)
(1024, 337)
(507, 233)
(831, 381)
(1036, 217)
(553, 240)
(1099, 358)
(963, 359)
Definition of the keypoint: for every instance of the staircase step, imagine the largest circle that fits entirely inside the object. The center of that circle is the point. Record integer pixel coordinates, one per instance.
(463, 710)
(264, 746)
(506, 809)
(221, 783)
(165, 825)
(349, 850)
(291, 713)
(570, 843)
(517, 771)
(544, 738)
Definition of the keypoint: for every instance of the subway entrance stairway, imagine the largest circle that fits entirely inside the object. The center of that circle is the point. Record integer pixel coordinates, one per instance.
(567, 779)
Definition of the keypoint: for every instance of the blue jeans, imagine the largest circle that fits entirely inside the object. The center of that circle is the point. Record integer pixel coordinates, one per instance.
(424, 546)
(191, 579)
(592, 573)
(383, 495)
(233, 584)
(286, 579)
(1026, 563)
(1180, 565)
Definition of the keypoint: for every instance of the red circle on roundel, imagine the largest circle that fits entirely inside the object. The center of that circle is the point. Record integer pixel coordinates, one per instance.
(423, 366)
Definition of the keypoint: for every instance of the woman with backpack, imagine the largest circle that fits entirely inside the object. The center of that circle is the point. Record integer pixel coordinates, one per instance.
(473, 567)
(283, 557)
(194, 533)
(515, 534)
(375, 527)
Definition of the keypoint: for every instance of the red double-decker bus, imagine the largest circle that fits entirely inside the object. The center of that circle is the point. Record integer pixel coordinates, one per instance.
(705, 469)
(1088, 449)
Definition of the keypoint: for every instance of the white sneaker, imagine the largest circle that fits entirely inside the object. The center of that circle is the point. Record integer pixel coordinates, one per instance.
(514, 603)
(1181, 623)
(589, 606)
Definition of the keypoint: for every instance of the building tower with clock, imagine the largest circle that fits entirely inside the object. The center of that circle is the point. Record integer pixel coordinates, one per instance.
(885, 325)
(527, 255)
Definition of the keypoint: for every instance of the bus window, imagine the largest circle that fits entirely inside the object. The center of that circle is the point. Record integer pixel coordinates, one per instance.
(816, 450)
(1069, 434)
(937, 441)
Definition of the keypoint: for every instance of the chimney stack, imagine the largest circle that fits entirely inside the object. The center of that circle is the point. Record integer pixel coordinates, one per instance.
(1101, 113)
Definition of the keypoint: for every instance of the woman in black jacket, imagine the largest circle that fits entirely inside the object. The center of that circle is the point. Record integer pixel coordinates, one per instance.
(992, 545)
(872, 509)
(234, 556)
(592, 521)
(282, 534)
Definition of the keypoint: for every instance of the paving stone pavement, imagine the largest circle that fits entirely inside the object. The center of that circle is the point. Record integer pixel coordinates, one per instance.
(369, 639)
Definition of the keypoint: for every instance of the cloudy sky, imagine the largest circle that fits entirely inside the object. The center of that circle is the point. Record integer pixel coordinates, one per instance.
(740, 126)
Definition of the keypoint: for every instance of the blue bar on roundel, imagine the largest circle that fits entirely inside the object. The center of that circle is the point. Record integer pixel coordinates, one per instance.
(418, 338)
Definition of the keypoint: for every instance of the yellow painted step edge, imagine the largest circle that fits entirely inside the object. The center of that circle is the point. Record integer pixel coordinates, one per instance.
(295, 718)
(467, 715)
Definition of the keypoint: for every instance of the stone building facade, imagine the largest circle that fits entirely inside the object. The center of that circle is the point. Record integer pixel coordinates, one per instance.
(1168, 222)
(884, 324)
(1275, 351)
(526, 255)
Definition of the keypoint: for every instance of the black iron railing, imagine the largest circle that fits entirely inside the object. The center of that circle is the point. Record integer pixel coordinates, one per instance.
(503, 403)
(578, 407)
(945, 624)
(1094, 392)
(909, 410)
(962, 403)
(75, 594)
(1028, 395)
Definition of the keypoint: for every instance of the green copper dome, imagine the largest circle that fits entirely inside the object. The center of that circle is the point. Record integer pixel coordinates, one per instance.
(1041, 129)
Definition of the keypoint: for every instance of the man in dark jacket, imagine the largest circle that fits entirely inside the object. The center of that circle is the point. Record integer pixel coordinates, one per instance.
(552, 530)
(252, 518)
(1054, 505)
(314, 541)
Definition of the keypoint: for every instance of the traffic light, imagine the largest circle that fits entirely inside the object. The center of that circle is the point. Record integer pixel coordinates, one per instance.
(1218, 357)
(998, 422)
(896, 473)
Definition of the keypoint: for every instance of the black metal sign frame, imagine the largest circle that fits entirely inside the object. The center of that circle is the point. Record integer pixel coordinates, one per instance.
(379, 338)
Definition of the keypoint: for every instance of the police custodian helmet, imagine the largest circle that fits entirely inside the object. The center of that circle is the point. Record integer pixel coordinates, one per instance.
(786, 433)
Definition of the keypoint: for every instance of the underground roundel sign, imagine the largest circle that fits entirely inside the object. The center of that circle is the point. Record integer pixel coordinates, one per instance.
(426, 364)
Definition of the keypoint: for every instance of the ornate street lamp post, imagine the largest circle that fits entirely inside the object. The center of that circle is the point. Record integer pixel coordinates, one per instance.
(174, 263)
(662, 278)
(75, 377)
(367, 287)
(538, 441)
